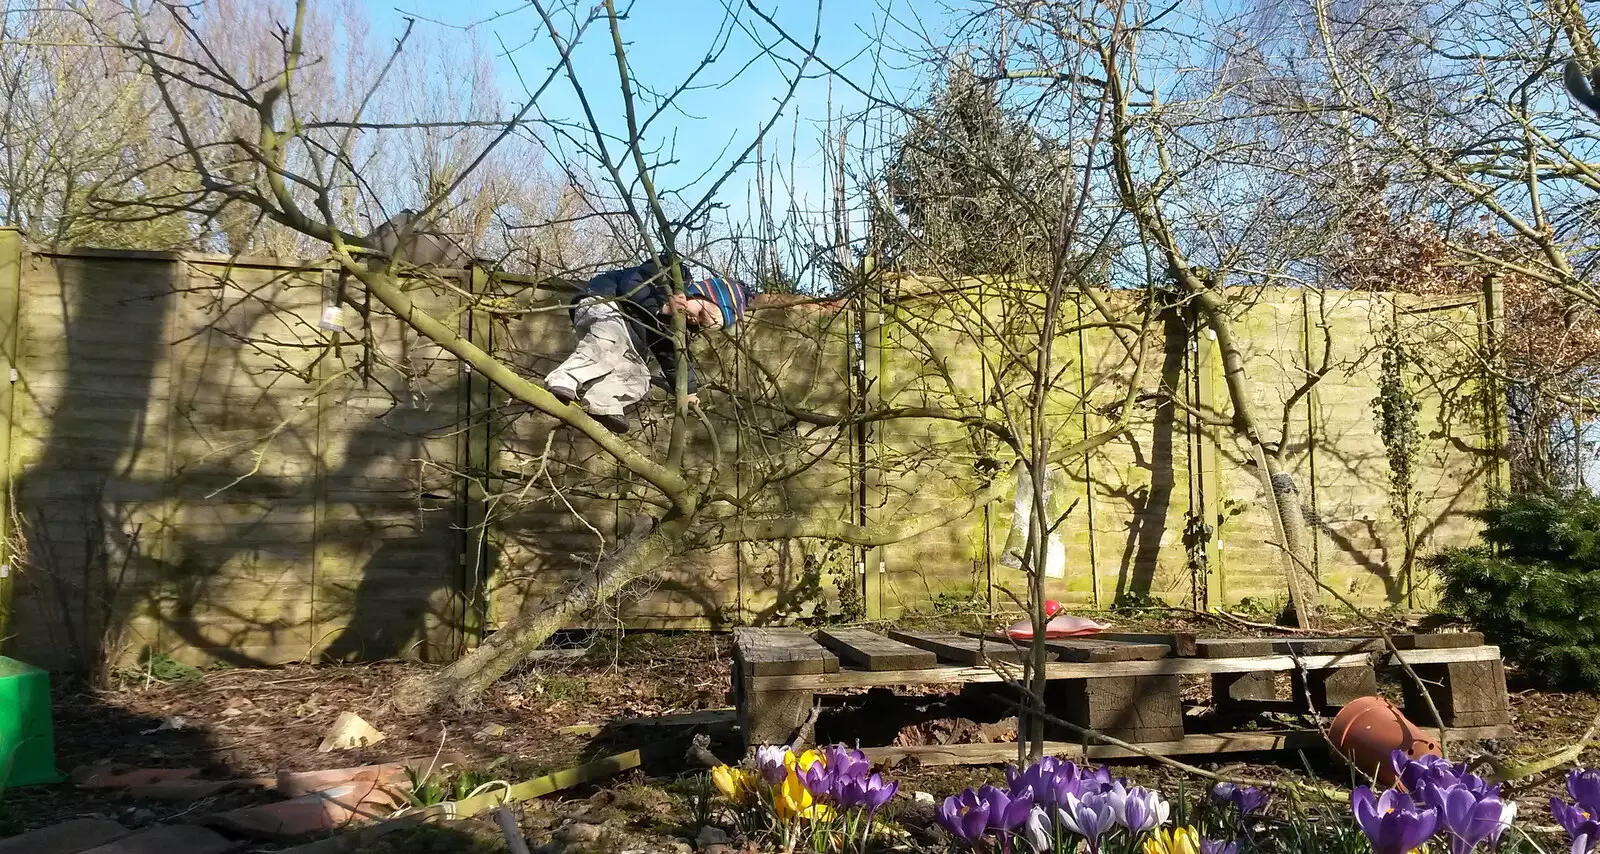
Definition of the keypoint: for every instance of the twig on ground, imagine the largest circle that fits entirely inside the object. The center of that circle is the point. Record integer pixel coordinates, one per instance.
(699, 752)
(508, 827)
(807, 730)
(1505, 772)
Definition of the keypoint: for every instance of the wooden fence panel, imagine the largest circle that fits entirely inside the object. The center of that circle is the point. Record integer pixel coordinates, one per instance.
(200, 471)
(90, 452)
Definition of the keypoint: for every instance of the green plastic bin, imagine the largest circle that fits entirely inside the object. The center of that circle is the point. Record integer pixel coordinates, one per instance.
(27, 738)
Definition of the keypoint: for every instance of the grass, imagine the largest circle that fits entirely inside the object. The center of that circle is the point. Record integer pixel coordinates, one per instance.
(159, 667)
(451, 785)
(557, 686)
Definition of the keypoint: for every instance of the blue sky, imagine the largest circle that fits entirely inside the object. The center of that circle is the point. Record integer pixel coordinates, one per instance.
(666, 39)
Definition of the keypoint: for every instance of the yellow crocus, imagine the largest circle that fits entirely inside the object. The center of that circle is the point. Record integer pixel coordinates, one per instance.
(1180, 840)
(801, 761)
(733, 783)
(791, 798)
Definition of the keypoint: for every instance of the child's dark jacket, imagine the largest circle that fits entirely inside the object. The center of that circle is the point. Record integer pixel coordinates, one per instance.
(641, 301)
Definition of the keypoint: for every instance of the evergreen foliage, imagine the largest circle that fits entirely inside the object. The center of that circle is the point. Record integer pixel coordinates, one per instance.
(1533, 587)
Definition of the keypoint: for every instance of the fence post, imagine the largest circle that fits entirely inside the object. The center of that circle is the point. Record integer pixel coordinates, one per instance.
(1308, 328)
(1206, 365)
(11, 255)
(872, 367)
(478, 458)
(1492, 332)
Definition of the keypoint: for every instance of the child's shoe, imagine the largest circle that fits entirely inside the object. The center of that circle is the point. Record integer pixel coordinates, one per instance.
(565, 395)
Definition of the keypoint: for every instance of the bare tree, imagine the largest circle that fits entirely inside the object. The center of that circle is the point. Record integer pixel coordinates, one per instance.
(299, 164)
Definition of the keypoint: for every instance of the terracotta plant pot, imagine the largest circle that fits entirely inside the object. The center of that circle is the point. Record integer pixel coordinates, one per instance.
(1368, 730)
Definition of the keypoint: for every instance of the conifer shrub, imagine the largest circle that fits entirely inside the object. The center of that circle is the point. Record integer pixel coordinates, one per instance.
(1533, 585)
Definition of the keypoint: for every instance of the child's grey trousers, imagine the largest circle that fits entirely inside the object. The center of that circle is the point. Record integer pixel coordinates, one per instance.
(605, 371)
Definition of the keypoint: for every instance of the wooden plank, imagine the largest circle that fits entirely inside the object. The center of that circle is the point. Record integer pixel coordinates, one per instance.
(963, 650)
(1466, 693)
(1184, 644)
(1439, 640)
(781, 652)
(1093, 649)
(1241, 742)
(1232, 647)
(1328, 646)
(872, 651)
(1330, 689)
(1139, 709)
(1080, 670)
(1227, 647)
(1236, 692)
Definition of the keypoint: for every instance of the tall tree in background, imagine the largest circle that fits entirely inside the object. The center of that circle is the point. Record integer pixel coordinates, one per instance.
(976, 189)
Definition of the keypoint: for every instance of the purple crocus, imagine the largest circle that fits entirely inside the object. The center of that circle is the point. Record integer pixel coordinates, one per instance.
(1212, 846)
(965, 816)
(1247, 799)
(1006, 813)
(844, 762)
(1046, 782)
(1584, 787)
(1089, 815)
(1098, 780)
(869, 792)
(1393, 823)
(1468, 817)
(1138, 809)
(770, 763)
(819, 780)
(1580, 824)
(1415, 775)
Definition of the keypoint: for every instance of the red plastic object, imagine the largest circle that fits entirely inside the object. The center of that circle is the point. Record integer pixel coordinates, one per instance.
(1060, 626)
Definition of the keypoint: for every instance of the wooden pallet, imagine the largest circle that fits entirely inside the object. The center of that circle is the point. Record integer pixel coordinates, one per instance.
(1123, 685)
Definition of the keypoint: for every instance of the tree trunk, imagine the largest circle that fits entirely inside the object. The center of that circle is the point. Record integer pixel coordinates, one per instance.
(506, 648)
(1288, 515)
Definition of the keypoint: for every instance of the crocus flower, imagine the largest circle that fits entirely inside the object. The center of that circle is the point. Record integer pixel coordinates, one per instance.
(801, 761)
(1580, 824)
(1006, 813)
(1394, 823)
(1247, 799)
(1584, 787)
(818, 779)
(965, 816)
(1178, 840)
(1212, 846)
(1098, 780)
(869, 792)
(1138, 809)
(1036, 830)
(1089, 816)
(791, 798)
(846, 762)
(735, 784)
(1046, 782)
(1469, 818)
(770, 762)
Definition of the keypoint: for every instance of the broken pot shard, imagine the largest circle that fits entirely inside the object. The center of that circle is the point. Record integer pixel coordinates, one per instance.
(349, 731)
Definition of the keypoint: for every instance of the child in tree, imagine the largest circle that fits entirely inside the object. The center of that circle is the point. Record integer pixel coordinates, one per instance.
(624, 314)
